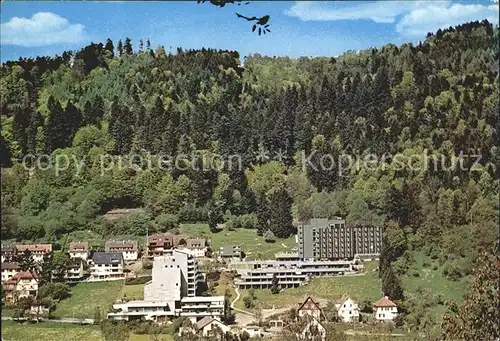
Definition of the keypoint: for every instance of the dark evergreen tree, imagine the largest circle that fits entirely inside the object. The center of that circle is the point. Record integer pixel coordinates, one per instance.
(110, 47)
(280, 217)
(127, 47)
(55, 127)
(119, 47)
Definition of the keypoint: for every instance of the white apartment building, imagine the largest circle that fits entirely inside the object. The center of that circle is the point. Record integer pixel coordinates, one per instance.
(385, 309)
(171, 292)
(106, 266)
(347, 310)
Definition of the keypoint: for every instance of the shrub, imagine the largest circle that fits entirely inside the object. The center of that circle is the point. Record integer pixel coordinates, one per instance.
(269, 237)
(165, 222)
(138, 280)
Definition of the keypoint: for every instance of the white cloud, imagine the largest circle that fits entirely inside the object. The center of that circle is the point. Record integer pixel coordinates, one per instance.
(412, 18)
(380, 12)
(42, 29)
(434, 16)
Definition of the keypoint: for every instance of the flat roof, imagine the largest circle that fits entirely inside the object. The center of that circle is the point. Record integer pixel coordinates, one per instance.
(202, 299)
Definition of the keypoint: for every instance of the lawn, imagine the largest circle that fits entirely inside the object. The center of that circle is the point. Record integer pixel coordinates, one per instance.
(86, 297)
(431, 278)
(365, 286)
(13, 331)
(132, 292)
(253, 245)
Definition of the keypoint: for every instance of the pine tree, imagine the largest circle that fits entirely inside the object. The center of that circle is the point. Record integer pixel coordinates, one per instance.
(127, 47)
(88, 114)
(55, 128)
(280, 217)
(391, 285)
(119, 47)
(73, 121)
(36, 121)
(19, 126)
(120, 127)
(275, 287)
(110, 47)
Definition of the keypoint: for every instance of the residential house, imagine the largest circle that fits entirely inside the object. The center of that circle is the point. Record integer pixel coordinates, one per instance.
(230, 252)
(312, 329)
(128, 248)
(310, 308)
(347, 309)
(8, 254)
(385, 309)
(196, 247)
(79, 250)
(22, 284)
(207, 326)
(38, 251)
(106, 266)
(161, 244)
(74, 270)
(9, 269)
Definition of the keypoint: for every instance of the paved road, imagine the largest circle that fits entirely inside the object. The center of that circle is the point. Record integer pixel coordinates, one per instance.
(63, 320)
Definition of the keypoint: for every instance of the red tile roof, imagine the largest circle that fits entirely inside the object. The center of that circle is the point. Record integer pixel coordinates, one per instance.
(384, 302)
(34, 247)
(22, 275)
(78, 246)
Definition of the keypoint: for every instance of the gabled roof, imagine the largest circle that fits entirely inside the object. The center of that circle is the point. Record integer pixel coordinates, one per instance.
(121, 244)
(34, 247)
(22, 275)
(78, 246)
(107, 257)
(309, 304)
(193, 243)
(342, 299)
(205, 322)
(384, 302)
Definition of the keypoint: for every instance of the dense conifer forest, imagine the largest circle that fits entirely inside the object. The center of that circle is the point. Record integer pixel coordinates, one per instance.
(295, 125)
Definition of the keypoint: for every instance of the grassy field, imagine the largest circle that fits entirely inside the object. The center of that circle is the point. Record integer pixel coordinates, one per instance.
(430, 278)
(86, 297)
(13, 331)
(360, 287)
(132, 292)
(253, 245)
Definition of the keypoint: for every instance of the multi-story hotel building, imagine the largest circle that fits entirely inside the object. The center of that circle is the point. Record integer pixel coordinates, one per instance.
(290, 274)
(171, 292)
(323, 239)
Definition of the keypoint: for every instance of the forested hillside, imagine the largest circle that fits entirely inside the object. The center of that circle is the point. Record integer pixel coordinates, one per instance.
(439, 97)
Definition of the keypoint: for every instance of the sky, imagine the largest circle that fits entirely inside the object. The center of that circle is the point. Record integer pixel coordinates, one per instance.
(316, 28)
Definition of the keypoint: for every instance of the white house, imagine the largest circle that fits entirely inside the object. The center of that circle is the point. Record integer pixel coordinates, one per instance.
(106, 266)
(347, 309)
(128, 248)
(38, 251)
(385, 309)
(9, 269)
(207, 325)
(195, 247)
(79, 250)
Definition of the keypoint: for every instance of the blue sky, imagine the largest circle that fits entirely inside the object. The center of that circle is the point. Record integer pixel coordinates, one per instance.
(298, 28)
